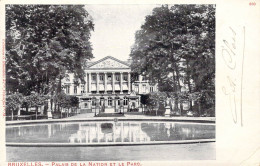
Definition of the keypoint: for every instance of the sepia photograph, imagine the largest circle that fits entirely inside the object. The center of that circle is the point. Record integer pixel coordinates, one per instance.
(123, 82)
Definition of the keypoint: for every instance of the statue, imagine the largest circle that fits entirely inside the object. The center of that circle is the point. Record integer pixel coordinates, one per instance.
(167, 107)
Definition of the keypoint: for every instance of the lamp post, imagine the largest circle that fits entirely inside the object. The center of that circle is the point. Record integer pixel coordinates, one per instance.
(94, 103)
(116, 103)
(97, 105)
(101, 103)
(121, 104)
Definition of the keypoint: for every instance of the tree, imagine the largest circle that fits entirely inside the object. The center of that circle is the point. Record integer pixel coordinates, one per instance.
(13, 103)
(43, 42)
(175, 49)
(35, 100)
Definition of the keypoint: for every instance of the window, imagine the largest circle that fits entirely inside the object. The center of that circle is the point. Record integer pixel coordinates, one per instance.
(101, 102)
(101, 77)
(137, 78)
(143, 78)
(94, 78)
(118, 102)
(151, 89)
(86, 105)
(94, 102)
(125, 77)
(117, 77)
(125, 101)
(109, 101)
(67, 78)
(67, 89)
(75, 90)
(109, 78)
(136, 88)
(144, 88)
(83, 88)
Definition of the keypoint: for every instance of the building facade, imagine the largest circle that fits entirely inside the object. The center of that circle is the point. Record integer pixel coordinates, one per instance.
(108, 87)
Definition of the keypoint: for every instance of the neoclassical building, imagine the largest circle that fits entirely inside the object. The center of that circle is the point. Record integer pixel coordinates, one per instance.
(108, 87)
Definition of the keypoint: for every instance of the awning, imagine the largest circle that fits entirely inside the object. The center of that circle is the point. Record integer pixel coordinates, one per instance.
(117, 87)
(93, 87)
(109, 87)
(125, 87)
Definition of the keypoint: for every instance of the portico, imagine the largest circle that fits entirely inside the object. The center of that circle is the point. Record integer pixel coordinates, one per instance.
(108, 82)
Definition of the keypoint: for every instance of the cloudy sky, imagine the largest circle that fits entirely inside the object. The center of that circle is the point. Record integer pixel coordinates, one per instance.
(115, 27)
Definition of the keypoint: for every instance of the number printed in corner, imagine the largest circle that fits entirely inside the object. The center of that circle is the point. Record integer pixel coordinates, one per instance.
(252, 3)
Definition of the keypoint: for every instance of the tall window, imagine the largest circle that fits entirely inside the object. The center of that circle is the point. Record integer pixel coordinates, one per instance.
(125, 101)
(136, 88)
(75, 90)
(109, 77)
(109, 101)
(151, 89)
(144, 88)
(67, 78)
(86, 105)
(67, 89)
(94, 102)
(101, 77)
(94, 78)
(83, 88)
(117, 77)
(125, 77)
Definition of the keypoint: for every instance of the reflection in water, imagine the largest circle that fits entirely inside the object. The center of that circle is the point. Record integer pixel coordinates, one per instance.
(91, 132)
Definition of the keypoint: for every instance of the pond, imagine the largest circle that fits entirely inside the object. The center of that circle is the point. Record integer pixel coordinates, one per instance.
(109, 132)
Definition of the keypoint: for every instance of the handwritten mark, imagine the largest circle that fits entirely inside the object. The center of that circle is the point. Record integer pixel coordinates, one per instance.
(242, 75)
(230, 55)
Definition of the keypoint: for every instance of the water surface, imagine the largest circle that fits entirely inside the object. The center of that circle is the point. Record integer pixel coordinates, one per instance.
(104, 132)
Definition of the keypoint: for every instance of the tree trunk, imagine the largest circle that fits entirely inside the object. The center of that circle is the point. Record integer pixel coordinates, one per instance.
(176, 100)
(27, 108)
(36, 112)
(178, 86)
(12, 115)
(60, 111)
(189, 85)
(199, 108)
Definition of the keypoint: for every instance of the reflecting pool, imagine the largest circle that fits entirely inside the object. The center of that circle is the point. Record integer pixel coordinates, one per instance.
(104, 132)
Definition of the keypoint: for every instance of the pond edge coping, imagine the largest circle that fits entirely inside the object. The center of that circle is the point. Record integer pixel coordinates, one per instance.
(108, 144)
(115, 119)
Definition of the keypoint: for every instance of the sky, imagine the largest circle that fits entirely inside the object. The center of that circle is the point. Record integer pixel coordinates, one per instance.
(115, 27)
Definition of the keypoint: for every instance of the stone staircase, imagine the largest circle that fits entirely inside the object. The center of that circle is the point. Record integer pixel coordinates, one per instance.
(110, 110)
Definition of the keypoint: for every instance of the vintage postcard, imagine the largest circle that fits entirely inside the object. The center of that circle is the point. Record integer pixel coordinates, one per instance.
(130, 83)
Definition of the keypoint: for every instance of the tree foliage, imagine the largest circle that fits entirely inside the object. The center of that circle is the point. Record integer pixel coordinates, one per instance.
(35, 100)
(14, 101)
(175, 48)
(44, 41)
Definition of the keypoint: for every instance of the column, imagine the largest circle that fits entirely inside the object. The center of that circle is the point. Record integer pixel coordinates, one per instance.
(113, 82)
(97, 82)
(71, 89)
(89, 82)
(105, 82)
(129, 85)
(121, 82)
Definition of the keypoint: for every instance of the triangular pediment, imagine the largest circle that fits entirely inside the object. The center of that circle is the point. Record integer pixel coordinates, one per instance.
(109, 62)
